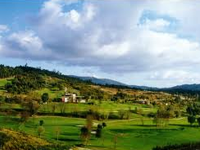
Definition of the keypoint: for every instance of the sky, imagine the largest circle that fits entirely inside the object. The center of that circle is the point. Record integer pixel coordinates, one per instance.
(138, 42)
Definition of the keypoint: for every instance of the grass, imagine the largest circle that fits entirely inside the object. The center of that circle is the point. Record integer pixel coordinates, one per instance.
(3, 82)
(131, 134)
(52, 94)
(105, 106)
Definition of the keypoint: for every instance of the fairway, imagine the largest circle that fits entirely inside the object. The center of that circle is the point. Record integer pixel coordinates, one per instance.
(128, 135)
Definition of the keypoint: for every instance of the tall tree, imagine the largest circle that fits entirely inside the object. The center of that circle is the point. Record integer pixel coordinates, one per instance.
(45, 97)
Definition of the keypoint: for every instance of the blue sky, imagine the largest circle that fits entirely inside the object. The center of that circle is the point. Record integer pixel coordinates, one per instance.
(153, 43)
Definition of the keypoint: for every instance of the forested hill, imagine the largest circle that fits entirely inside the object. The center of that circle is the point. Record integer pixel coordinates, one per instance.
(7, 71)
(33, 78)
(37, 73)
(24, 79)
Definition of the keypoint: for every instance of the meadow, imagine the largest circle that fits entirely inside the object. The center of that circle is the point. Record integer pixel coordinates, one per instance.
(119, 134)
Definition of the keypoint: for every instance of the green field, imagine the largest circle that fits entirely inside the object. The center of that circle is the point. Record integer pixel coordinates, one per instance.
(131, 135)
(105, 107)
(3, 82)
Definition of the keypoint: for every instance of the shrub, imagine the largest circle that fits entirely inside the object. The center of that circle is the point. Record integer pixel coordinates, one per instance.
(191, 119)
(24, 116)
(41, 122)
(85, 135)
(104, 124)
(198, 120)
(98, 132)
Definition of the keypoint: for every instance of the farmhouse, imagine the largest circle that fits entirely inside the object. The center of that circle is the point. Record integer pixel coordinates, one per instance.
(73, 98)
(69, 98)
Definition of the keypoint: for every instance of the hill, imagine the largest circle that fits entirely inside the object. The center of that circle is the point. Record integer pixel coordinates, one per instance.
(15, 140)
(185, 88)
(100, 81)
(25, 79)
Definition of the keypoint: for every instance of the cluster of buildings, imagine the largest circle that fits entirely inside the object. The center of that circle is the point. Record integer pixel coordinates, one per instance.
(72, 98)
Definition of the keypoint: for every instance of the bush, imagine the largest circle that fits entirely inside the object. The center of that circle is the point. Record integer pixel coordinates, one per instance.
(112, 115)
(151, 115)
(24, 116)
(98, 132)
(187, 146)
(57, 100)
(191, 119)
(104, 124)
(198, 120)
(2, 99)
(41, 122)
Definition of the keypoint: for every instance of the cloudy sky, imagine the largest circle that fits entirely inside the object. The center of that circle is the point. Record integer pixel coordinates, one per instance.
(142, 42)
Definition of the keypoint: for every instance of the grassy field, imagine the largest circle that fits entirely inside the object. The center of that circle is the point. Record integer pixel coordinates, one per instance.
(107, 106)
(130, 135)
(52, 94)
(3, 82)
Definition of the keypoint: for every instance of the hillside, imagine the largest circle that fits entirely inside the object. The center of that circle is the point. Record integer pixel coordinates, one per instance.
(15, 140)
(24, 80)
(185, 88)
(28, 81)
(100, 81)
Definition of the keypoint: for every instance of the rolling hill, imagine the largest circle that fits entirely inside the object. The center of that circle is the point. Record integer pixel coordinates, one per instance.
(178, 88)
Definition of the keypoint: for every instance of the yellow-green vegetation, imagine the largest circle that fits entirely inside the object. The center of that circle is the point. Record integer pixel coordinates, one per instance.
(11, 140)
(3, 82)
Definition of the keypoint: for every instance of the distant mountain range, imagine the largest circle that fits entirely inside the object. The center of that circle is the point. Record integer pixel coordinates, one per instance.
(184, 87)
(187, 87)
(100, 81)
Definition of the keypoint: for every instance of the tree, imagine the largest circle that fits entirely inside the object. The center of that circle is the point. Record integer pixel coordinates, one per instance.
(45, 97)
(162, 116)
(31, 106)
(57, 132)
(41, 130)
(89, 120)
(122, 113)
(24, 116)
(191, 119)
(198, 120)
(41, 122)
(104, 124)
(85, 135)
(98, 131)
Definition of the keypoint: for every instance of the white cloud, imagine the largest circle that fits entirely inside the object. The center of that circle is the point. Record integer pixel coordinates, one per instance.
(3, 28)
(22, 44)
(113, 50)
(176, 76)
(158, 24)
(108, 35)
